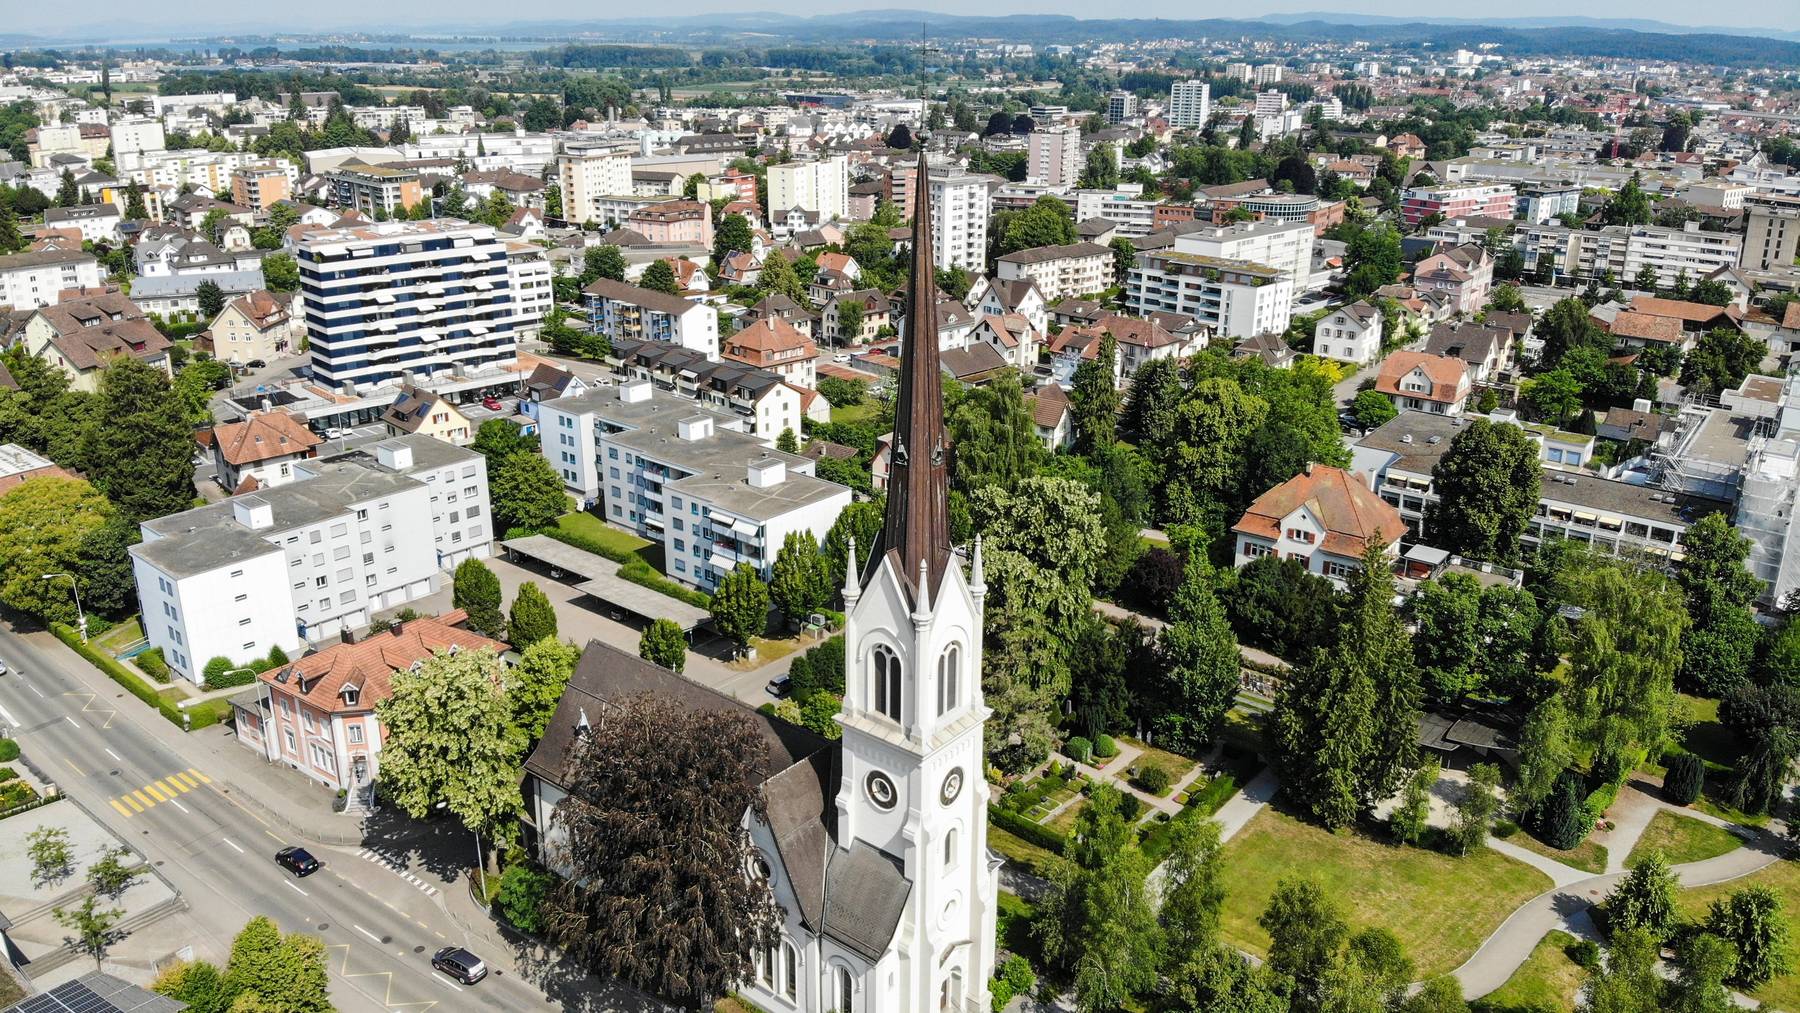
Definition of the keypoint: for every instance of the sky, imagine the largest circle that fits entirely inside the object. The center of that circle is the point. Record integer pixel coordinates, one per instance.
(137, 17)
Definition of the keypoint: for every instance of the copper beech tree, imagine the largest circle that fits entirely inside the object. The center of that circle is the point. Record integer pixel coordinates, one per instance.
(664, 890)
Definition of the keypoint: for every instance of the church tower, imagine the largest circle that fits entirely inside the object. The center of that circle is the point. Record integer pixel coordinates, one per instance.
(913, 785)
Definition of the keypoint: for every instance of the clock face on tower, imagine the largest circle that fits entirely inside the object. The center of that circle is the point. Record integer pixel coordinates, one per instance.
(953, 783)
(881, 790)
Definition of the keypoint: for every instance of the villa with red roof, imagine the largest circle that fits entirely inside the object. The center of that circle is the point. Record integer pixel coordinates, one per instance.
(1324, 517)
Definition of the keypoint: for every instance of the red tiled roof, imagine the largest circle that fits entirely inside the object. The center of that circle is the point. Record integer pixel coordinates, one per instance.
(1351, 513)
(1647, 327)
(263, 436)
(369, 664)
(1445, 372)
(1690, 312)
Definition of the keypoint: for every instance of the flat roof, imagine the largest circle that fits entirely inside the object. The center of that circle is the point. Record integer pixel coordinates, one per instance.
(602, 580)
(561, 555)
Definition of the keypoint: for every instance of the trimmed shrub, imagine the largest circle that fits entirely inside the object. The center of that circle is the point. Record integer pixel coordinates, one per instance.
(9, 750)
(1130, 806)
(1210, 799)
(1584, 952)
(215, 671)
(1013, 977)
(1153, 778)
(203, 716)
(1682, 784)
(1029, 831)
(1078, 749)
(152, 663)
(1104, 747)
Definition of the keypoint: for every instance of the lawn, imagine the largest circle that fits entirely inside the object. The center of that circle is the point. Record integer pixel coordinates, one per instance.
(868, 409)
(1176, 764)
(1020, 853)
(1782, 877)
(1376, 884)
(1586, 856)
(1064, 822)
(588, 526)
(10, 992)
(1547, 980)
(1704, 736)
(1682, 839)
(128, 631)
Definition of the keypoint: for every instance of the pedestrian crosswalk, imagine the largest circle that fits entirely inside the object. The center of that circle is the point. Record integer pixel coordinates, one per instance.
(397, 869)
(163, 789)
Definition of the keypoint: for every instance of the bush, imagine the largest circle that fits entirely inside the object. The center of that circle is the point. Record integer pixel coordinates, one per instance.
(8, 774)
(1078, 749)
(215, 671)
(819, 670)
(1687, 773)
(153, 665)
(1013, 977)
(521, 896)
(1584, 952)
(1104, 747)
(1130, 806)
(1209, 799)
(277, 658)
(1153, 778)
(9, 750)
(202, 716)
(1029, 831)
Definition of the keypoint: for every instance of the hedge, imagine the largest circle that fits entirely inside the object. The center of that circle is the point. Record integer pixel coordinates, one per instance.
(1030, 831)
(1211, 798)
(9, 749)
(151, 661)
(631, 567)
(201, 717)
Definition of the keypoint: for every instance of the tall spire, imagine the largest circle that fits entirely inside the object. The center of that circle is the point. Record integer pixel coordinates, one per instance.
(916, 530)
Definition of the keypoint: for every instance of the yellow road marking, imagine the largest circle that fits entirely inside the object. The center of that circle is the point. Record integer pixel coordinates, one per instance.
(169, 788)
(141, 797)
(72, 766)
(203, 778)
(122, 810)
(183, 782)
(132, 802)
(159, 796)
(388, 1001)
(272, 834)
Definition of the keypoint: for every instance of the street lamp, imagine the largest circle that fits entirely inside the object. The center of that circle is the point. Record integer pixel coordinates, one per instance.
(480, 862)
(80, 616)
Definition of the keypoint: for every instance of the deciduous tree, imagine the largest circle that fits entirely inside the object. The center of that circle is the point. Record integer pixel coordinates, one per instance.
(1487, 484)
(476, 590)
(535, 684)
(526, 492)
(1200, 663)
(800, 581)
(663, 643)
(740, 607)
(452, 740)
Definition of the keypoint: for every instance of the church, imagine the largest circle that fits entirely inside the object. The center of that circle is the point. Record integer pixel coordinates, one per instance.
(875, 844)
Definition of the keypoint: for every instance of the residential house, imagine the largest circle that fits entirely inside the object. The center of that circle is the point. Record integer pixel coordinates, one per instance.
(1465, 273)
(547, 382)
(776, 345)
(998, 297)
(1486, 350)
(1420, 381)
(1325, 517)
(258, 326)
(1272, 349)
(1349, 334)
(80, 335)
(1012, 335)
(875, 315)
(419, 412)
(1138, 341)
(260, 451)
(1051, 416)
(98, 223)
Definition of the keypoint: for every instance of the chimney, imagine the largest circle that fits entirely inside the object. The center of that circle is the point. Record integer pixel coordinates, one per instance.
(1308, 468)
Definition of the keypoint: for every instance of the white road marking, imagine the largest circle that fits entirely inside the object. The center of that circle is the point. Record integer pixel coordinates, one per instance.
(366, 932)
(9, 718)
(233, 844)
(440, 980)
(178, 805)
(114, 755)
(36, 690)
(296, 889)
(71, 721)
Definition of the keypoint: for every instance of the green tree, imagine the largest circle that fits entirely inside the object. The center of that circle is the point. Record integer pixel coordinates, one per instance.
(1200, 662)
(1476, 809)
(1096, 922)
(1624, 654)
(1644, 900)
(1629, 206)
(1052, 522)
(498, 439)
(282, 972)
(197, 983)
(799, 581)
(532, 618)
(52, 858)
(476, 590)
(1753, 921)
(114, 872)
(134, 202)
(195, 385)
(1306, 932)
(1048, 222)
(1719, 646)
(1408, 821)
(68, 194)
(1544, 753)
(1124, 256)
(996, 441)
(523, 890)
(138, 448)
(452, 741)
(1720, 360)
(1706, 962)
(778, 277)
(604, 261)
(663, 643)
(1446, 615)
(1628, 981)
(535, 684)
(45, 523)
(740, 607)
(1554, 396)
(860, 521)
(211, 299)
(787, 442)
(93, 929)
(281, 273)
(1442, 994)
(1094, 399)
(1372, 408)
(660, 277)
(526, 492)
(732, 236)
(1193, 890)
(1487, 485)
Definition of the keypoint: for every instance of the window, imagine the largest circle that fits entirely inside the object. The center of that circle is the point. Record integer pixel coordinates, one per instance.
(1333, 569)
(319, 581)
(244, 621)
(765, 968)
(790, 969)
(846, 991)
(887, 682)
(237, 573)
(949, 671)
(950, 848)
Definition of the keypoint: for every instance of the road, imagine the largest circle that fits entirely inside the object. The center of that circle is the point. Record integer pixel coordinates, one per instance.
(95, 741)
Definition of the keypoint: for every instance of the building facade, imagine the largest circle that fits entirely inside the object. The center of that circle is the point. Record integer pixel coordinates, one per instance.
(1190, 104)
(821, 186)
(1075, 270)
(627, 312)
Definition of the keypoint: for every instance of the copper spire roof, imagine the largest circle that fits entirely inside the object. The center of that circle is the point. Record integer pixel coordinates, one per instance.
(916, 529)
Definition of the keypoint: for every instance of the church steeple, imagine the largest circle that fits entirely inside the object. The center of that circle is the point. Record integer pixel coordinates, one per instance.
(916, 529)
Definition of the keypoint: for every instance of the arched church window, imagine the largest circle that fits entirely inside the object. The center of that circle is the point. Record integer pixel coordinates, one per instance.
(949, 686)
(846, 994)
(950, 848)
(887, 682)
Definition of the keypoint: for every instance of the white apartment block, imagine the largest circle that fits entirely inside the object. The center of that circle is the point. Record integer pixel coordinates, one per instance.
(1121, 106)
(310, 559)
(959, 219)
(1349, 334)
(1626, 249)
(1055, 156)
(1267, 74)
(1190, 104)
(1285, 246)
(135, 135)
(586, 173)
(1073, 270)
(518, 151)
(1127, 207)
(1270, 103)
(532, 277)
(1771, 231)
(625, 312)
(694, 479)
(196, 167)
(822, 186)
(1236, 298)
(30, 280)
(406, 301)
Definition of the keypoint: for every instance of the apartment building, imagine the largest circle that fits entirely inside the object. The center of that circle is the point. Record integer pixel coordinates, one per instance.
(959, 219)
(1233, 298)
(1464, 274)
(1075, 270)
(1054, 156)
(373, 189)
(1266, 74)
(29, 280)
(1457, 200)
(1624, 250)
(311, 558)
(675, 221)
(626, 312)
(1121, 106)
(1128, 208)
(1285, 246)
(1324, 517)
(692, 478)
(519, 150)
(1349, 334)
(259, 187)
(773, 344)
(533, 280)
(393, 301)
(588, 172)
(97, 223)
(767, 401)
(821, 186)
(1771, 231)
(1190, 104)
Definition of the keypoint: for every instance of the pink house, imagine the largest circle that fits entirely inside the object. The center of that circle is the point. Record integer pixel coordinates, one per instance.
(1464, 273)
(676, 221)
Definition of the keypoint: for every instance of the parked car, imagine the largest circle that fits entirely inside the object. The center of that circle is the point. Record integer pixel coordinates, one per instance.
(780, 686)
(256, 364)
(491, 403)
(298, 861)
(460, 964)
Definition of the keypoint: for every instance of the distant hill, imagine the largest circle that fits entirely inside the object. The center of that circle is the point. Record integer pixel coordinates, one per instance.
(1621, 24)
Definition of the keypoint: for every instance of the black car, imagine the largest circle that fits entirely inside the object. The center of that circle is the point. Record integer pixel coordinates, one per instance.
(255, 364)
(298, 861)
(780, 686)
(460, 964)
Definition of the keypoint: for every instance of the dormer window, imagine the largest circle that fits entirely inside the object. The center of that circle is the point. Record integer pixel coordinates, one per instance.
(351, 695)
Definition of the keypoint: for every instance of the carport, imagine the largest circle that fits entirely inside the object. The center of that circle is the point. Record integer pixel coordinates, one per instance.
(599, 578)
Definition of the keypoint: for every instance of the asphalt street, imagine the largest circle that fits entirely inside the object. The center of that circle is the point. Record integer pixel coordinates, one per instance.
(381, 928)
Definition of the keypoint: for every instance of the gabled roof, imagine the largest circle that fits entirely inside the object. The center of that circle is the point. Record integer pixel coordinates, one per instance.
(368, 665)
(264, 309)
(1647, 327)
(1048, 405)
(1044, 254)
(1445, 373)
(1350, 512)
(261, 437)
(1688, 312)
(410, 410)
(766, 337)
